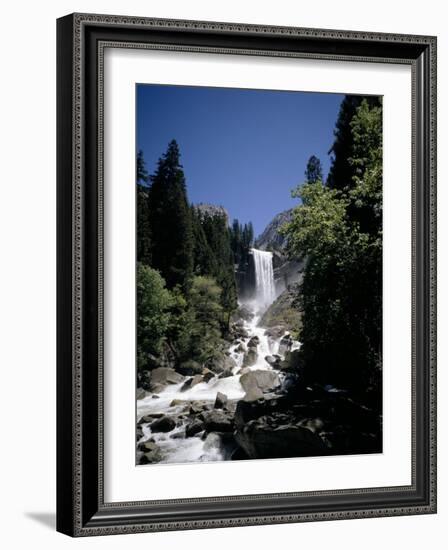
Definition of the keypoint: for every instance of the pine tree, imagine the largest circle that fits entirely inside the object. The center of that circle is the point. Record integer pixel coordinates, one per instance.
(143, 233)
(342, 171)
(313, 170)
(219, 240)
(170, 221)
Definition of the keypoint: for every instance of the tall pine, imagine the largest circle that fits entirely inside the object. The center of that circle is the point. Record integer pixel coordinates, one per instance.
(143, 233)
(170, 221)
(342, 170)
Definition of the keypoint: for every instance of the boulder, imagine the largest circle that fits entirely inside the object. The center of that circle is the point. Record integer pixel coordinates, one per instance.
(275, 332)
(194, 427)
(162, 377)
(138, 433)
(207, 375)
(226, 374)
(191, 382)
(147, 446)
(197, 407)
(217, 421)
(238, 330)
(257, 381)
(272, 360)
(253, 342)
(151, 456)
(164, 424)
(220, 363)
(155, 396)
(260, 440)
(285, 344)
(220, 401)
(254, 394)
(291, 362)
(250, 358)
(241, 348)
(140, 394)
(147, 418)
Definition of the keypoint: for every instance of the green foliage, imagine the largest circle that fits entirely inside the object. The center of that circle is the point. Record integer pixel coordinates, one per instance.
(153, 320)
(186, 287)
(205, 313)
(338, 229)
(222, 267)
(170, 221)
(143, 224)
(241, 241)
(342, 170)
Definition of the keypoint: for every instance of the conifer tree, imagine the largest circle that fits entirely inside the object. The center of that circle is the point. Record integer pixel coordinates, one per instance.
(313, 172)
(170, 221)
(143, 232)
(341, 170)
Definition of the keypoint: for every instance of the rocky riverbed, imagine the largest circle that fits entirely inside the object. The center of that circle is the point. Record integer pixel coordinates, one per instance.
(249, 404)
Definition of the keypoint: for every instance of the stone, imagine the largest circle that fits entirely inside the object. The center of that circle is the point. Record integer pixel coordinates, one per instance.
(254, 394)
(155, 396)
(250, 358)
(177, 402)
(217, 421)
(253, 342)
(162, 377)
(194, 428)
(140, 394)
(220, 401)
(197, 407)
(241, 348)
(285, 344)
(226, 374)
(150, 417)
(259, 440)
(271, 360)
(263, 380)
(207, 375)
(191, 382)
(164, 424)
(148, 445)
(275, 332)
(220, 363)
(151, 456)
(291, 361)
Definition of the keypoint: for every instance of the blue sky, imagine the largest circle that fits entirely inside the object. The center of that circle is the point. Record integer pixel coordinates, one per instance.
(241, 149)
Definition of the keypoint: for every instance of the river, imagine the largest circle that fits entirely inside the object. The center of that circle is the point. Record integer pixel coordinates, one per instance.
(175, 447)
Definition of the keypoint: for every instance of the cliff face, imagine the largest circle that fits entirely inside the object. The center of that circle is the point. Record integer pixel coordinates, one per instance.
(271, 239)
(212, 210)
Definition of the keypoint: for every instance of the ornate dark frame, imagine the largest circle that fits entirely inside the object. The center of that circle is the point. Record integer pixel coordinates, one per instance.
(81, 39)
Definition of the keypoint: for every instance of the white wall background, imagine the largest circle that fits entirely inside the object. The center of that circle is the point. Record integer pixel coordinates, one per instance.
(27, 273)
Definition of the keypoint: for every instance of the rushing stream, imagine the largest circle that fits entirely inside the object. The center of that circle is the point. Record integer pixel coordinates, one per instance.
(175, 447)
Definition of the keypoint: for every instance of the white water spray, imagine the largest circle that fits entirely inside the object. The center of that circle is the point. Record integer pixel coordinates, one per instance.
(264, 278)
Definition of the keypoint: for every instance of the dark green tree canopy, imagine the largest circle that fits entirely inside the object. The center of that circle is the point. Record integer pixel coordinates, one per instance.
(313, 172)
(170, 220)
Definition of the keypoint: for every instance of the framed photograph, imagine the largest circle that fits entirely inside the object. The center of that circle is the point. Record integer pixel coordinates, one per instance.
(246, 274)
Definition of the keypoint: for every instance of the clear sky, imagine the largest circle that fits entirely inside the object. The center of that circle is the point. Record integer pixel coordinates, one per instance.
(241, 149)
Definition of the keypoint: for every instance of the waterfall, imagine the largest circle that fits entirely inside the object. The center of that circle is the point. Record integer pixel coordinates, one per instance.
(264, 278)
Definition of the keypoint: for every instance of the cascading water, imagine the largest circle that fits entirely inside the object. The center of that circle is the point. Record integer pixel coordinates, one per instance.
(264, 278)
(174, 400)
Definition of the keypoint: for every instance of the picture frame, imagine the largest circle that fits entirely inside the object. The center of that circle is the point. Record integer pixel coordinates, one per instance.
(81, 507)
